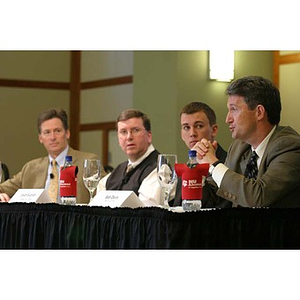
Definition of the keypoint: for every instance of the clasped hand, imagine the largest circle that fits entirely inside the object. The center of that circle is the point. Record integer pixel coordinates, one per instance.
(206, 151)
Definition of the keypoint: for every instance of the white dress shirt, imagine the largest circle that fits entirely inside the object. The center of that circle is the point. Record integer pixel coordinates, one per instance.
(150, 192)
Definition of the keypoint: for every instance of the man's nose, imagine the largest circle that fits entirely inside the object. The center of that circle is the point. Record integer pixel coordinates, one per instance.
(129, 134)
(52, 135)
(193, 131)
(228, 118)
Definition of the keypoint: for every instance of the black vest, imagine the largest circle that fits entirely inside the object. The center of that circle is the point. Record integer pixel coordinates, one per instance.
(119, 180)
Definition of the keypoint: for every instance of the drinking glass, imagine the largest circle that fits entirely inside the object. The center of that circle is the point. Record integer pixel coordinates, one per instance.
(166, 175)
(91, 174)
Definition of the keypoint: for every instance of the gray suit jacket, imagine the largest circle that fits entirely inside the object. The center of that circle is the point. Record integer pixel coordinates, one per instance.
(34, 174)
(278, 180)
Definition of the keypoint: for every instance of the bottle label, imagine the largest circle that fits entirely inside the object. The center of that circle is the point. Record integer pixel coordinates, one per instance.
(191, 180)
(68, 181)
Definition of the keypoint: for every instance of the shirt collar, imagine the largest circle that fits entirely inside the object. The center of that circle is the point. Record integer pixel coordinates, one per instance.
(60, 159)
(149, 150)
(260, 149)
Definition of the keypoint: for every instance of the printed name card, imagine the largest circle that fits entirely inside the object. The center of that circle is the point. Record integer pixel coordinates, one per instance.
(116, 199)
(31, 196)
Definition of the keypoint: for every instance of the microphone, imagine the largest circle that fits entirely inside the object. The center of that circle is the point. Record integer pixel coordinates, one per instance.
(51, 176)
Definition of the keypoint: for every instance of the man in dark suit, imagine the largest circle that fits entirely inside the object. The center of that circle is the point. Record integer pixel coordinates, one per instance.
(54, 134)
(270, 176)
(198, 120)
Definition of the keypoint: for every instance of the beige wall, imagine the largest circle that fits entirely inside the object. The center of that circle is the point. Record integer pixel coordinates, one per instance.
(20, 107)
(164, 81)
(289, 75)
(104, 104)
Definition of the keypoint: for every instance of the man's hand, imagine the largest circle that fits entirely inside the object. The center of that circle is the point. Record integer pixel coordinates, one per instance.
(4, 197)
(206, 151)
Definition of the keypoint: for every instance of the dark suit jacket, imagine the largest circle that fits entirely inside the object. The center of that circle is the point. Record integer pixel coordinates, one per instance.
(209, 198)
(278, 179)
(34, 174)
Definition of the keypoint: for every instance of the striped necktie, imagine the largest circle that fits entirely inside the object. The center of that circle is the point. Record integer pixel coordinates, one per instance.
(53, 186)
(129, 168)
(251, 168)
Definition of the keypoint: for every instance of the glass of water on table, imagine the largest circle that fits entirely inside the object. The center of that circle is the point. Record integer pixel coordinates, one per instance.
(91, 175)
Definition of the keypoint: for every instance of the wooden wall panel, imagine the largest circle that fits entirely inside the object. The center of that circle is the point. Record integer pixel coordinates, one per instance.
(280, 60)
(75, 86)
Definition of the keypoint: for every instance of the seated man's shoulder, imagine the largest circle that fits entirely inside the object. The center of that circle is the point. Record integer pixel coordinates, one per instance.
(286, 132)
(284, 139)
(37, 161)
(35, 164)
(83, 154)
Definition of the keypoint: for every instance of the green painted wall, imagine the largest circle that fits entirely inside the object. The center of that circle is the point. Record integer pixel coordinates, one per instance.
(164, 81)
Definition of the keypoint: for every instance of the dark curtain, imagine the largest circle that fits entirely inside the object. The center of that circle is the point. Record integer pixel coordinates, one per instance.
(53, 226)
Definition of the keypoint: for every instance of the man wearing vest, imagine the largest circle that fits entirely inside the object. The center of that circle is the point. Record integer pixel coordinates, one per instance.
(139, 173)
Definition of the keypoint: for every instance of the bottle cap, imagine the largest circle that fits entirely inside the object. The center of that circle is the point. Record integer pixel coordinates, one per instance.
(69, 158)
(192, 153)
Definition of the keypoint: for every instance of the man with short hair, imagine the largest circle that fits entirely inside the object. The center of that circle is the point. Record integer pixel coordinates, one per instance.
(198, 120)
(139, 173)
(262, 168)
(54, 134)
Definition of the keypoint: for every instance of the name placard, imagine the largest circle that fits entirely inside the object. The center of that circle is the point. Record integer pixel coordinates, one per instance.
(116, 199)
(31, 196)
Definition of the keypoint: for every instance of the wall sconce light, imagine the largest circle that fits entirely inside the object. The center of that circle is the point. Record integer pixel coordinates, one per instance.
(221, 65)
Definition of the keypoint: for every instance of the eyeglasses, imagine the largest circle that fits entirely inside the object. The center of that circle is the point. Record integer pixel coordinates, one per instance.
(133, 131)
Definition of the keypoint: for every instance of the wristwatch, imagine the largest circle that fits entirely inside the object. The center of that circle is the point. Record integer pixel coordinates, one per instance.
(212, 166)
(216, 163)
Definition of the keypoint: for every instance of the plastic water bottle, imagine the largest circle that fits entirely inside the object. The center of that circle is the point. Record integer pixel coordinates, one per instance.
(69, 199)
(194, 204)
(68, 161)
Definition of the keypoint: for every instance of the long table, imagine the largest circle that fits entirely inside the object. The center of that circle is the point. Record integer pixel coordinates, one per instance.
(54, 226)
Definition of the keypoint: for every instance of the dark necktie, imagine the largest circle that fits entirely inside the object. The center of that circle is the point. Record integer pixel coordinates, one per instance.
(251, 168)
(127, 176)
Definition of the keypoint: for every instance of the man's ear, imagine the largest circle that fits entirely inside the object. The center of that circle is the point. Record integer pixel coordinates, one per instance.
(68, 134)
(261, 112)
(214, 130)
(150, 137)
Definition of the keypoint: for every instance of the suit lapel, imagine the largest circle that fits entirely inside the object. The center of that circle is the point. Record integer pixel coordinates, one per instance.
(244, 160)
(72, 153)
(42, 169)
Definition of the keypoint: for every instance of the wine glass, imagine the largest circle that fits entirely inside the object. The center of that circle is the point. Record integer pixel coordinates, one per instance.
(91, 174)
(166, 174)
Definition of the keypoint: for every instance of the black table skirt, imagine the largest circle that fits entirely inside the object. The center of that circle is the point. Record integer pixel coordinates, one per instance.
(53, 226)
